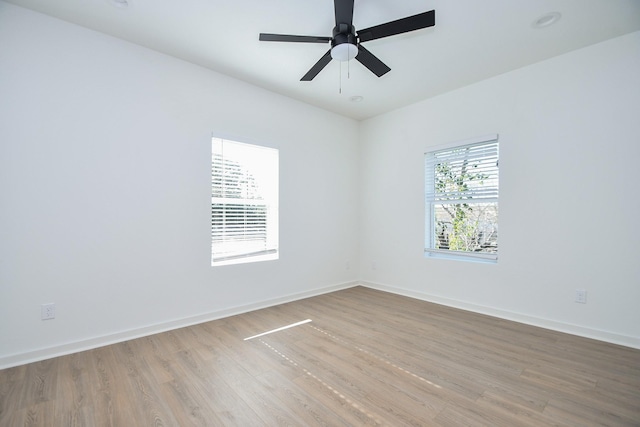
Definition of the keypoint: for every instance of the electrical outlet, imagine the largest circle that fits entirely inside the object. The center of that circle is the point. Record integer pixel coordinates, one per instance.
(347, 265)
(48, 311)
(581, 296)
(374, 265)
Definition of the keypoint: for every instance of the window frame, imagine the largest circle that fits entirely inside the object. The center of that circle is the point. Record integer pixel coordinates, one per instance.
(231, 209)
(430, 250)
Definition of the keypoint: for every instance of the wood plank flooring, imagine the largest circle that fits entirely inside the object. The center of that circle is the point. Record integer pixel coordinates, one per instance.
(366, 358)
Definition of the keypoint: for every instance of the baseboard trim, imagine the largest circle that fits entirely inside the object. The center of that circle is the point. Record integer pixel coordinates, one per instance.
(91, 343)
(613, 338)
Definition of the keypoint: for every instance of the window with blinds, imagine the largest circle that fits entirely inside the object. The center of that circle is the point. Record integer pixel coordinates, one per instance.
(461, 196)
(244, 202)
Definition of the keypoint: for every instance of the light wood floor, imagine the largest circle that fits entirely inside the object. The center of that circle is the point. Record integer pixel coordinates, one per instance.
(366, 358)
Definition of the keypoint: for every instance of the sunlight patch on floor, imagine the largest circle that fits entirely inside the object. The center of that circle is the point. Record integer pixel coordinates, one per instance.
(416, 376)
(324, 384)
(293, 325)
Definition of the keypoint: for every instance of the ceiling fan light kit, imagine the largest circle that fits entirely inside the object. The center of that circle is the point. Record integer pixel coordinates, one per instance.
(344, 52)
(346, 43)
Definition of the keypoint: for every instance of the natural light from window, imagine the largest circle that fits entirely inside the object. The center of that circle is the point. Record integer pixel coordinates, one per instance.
(244, 202)
(461, 201)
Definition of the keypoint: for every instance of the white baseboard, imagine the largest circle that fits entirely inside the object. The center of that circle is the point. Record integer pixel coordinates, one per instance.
(88, 344)
(624, 340)
(91, 343)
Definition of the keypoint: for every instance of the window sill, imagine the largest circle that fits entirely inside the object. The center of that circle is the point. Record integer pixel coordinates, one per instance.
(461, 256)
(272, 255)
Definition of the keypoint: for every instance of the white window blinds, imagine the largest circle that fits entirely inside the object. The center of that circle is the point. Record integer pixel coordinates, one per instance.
(244, 202)
(461, 195)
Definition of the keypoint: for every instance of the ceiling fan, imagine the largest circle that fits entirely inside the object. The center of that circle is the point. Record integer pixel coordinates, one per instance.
(346, 43)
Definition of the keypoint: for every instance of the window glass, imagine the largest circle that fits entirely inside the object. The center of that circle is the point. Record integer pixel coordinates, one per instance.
(244, 202)
(461, 196)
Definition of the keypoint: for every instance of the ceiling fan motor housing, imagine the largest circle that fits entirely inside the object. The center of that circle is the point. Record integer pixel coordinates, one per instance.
(344, 33)
(344, 44)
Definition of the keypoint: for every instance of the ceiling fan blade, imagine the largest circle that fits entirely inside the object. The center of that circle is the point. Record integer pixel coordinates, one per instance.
(265, 37)
(317, 67)
(404, 25)
(344, 11)
(370, 61)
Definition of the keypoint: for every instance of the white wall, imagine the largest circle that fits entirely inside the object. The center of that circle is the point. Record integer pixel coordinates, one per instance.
(105, 190)
(569, 147)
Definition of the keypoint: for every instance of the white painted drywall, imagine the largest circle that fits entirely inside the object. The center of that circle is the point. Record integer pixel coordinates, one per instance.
(104, 192)
(105, 189)
(569, 197)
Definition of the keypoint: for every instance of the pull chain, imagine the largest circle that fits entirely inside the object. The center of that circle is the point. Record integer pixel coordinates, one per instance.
(348, 75)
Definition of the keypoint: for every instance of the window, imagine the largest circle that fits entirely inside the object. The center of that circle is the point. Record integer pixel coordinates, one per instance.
(244, 202)
(461, 195)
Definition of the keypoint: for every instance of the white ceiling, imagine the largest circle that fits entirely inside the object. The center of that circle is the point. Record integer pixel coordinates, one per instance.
(471, 41)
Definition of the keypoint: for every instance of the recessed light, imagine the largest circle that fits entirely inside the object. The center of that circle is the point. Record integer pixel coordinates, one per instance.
(120, 4)
(546, 20)
(356, 98)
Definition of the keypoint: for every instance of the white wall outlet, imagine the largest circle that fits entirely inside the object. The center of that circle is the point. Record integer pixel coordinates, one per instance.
(374, 265)
(47, 311)
(581, 296)
(347, 265)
